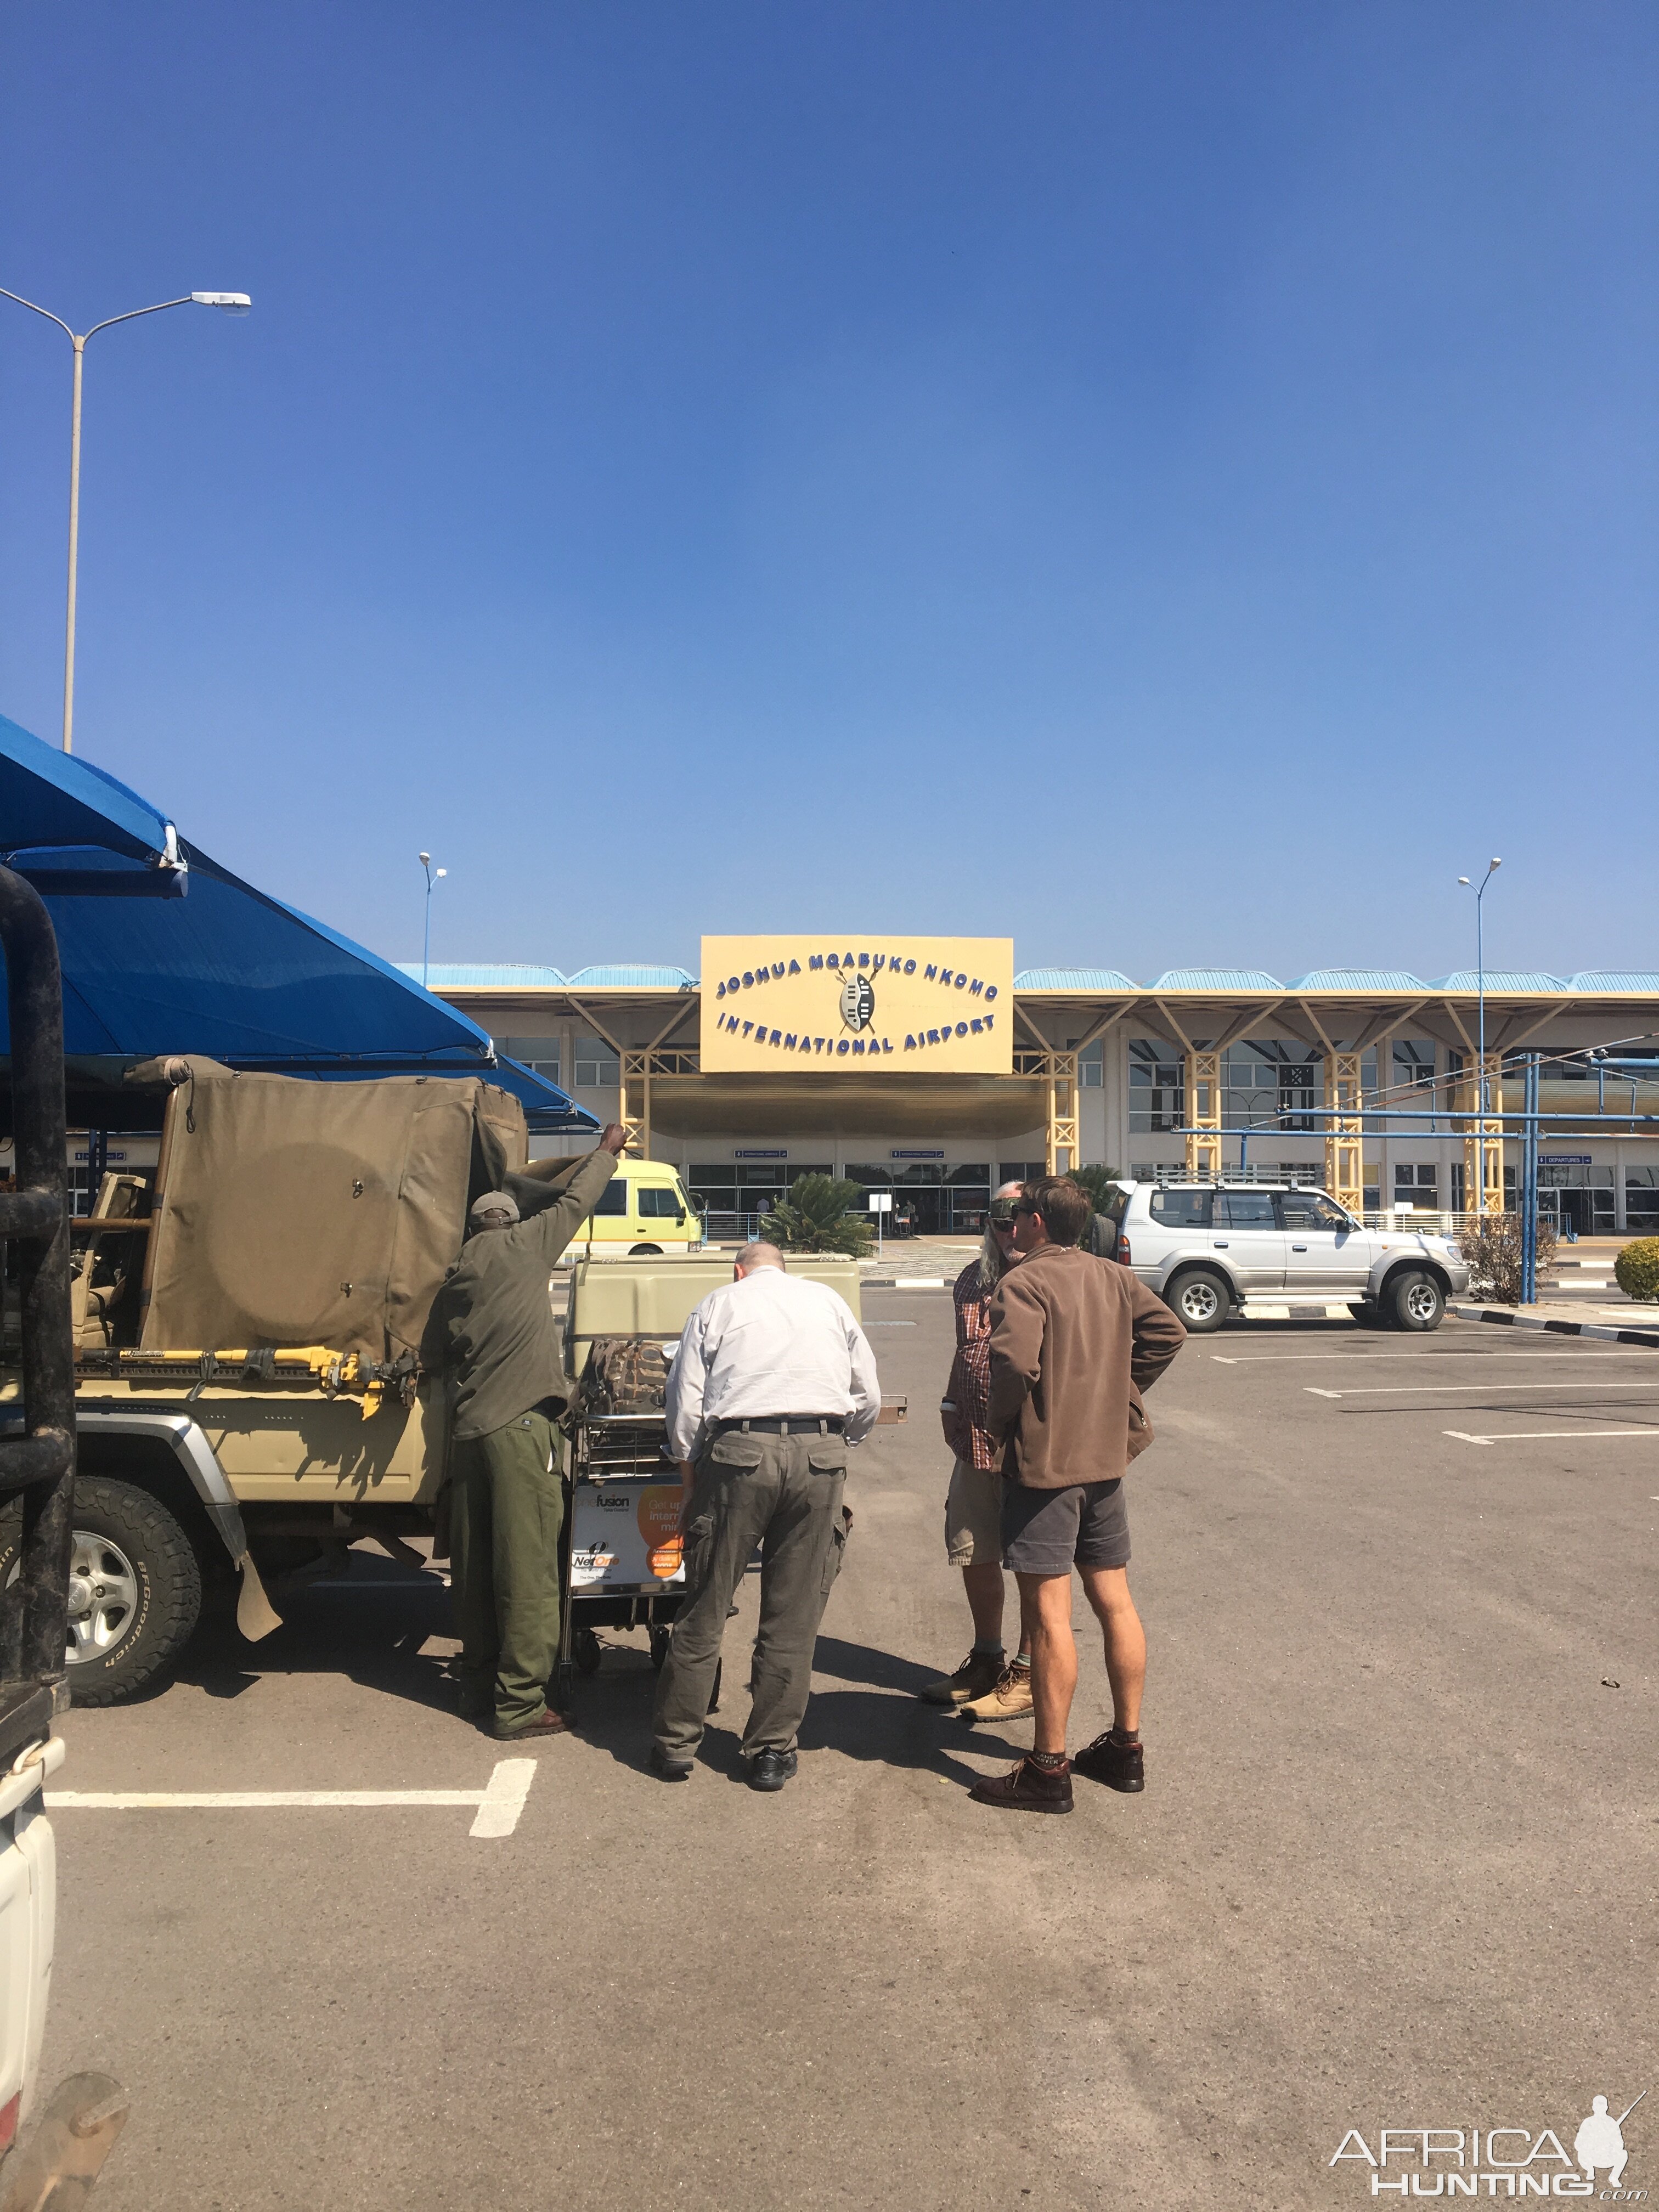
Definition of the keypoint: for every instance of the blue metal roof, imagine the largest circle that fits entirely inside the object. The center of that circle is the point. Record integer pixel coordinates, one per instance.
(1073, 979)
(1533, 981)
(626, 978)
(1357, 979)
(485, 976)
(163, 950)
(1600, 979)
(1217, 979)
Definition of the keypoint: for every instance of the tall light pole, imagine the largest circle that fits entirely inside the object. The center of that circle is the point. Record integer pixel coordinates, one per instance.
(1492, 866)
(432, 876)
(231, 303)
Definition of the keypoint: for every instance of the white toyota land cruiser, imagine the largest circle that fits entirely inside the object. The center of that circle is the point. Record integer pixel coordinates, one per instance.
(1205, 1248)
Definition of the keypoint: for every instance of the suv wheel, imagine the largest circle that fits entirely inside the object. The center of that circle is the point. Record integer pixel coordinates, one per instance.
(1200, 1300)
(135, 1589)
(1415, 1301)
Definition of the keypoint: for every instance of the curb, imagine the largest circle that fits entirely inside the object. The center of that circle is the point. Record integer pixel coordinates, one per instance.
(1605, 1330)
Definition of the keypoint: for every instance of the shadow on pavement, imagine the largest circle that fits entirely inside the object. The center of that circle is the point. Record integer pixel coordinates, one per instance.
(371, 1627)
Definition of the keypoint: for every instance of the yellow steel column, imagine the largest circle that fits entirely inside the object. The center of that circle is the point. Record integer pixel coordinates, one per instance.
(635, 1115)
(1483, 1138)
(1492, 1138)
(1345, 1171)
(1061, 1069)
(1204, 1115)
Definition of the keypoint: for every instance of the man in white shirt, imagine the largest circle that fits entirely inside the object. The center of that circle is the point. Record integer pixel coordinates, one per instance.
(773, 1380)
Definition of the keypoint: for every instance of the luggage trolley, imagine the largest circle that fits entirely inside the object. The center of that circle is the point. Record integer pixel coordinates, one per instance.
(621, 1554)
(622, 1550)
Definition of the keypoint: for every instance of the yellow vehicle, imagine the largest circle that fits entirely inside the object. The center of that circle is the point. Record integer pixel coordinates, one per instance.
(644, 1209)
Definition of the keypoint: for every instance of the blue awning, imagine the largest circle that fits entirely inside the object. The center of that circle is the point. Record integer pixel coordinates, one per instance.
(165, 952)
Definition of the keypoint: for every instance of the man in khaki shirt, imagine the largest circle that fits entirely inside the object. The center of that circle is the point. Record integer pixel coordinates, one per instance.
(1074, 1341)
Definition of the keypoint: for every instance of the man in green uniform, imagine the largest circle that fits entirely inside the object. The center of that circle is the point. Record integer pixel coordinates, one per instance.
(499, 1343)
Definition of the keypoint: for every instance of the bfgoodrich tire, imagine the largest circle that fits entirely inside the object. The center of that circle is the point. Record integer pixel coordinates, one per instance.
(1415, 1302)
(135, 1589)
(1200, 1300)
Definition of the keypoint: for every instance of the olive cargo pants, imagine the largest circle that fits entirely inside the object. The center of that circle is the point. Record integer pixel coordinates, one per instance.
(506, 1515)
(783, 1493)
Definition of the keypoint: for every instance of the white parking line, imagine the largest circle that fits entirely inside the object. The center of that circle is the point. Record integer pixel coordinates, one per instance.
(1284, 1358)
(1439, 1390)
(499, 1802)
(1533, 1436)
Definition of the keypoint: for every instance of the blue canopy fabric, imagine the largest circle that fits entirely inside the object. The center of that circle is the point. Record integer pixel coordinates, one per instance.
(164, 952)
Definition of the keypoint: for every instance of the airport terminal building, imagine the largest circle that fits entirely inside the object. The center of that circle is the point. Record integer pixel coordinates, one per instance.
(935, 1068)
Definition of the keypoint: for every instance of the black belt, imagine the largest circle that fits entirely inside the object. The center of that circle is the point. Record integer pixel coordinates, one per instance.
(787, 1425)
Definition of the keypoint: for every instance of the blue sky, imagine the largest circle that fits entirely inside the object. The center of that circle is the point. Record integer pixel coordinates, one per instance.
(1175, 483)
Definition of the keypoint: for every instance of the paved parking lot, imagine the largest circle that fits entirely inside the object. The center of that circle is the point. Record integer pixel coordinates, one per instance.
(1395, 1865)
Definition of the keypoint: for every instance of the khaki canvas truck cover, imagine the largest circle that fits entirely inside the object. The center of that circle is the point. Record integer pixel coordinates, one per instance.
(296, 1212)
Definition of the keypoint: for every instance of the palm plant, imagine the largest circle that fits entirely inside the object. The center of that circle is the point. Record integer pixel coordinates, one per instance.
(816, 1217)
(1098, 1181)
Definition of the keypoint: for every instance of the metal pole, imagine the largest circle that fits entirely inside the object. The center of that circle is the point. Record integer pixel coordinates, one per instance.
(74, 547)
(426, 940)
(1529, 1189)
(1480, 985)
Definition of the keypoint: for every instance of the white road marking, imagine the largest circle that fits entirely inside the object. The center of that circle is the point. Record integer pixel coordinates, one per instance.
(498, 1803)
(1284, 1358)
(1533, 1436)
(1439, 1390)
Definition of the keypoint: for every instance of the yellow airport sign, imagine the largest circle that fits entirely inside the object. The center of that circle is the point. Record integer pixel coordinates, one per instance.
(855, 1005)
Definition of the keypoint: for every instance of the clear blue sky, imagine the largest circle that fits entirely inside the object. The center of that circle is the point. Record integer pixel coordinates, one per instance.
(1176, 483)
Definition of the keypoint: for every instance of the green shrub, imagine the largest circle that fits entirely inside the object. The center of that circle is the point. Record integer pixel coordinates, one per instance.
(1492, 1245)
(1098, 1181)
(1637, 1268)
(816, 1217)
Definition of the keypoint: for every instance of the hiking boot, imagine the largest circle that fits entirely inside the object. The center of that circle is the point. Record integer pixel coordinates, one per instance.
(545, 1723)
(1010, 1700)
(1119, 1766)
(979, 1672)
(1027, 1788)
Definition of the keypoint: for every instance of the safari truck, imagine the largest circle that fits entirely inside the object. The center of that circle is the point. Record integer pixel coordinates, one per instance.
(254, 1391)
(56, 2160)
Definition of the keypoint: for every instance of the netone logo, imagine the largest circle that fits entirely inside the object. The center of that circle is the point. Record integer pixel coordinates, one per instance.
(1497, 2161)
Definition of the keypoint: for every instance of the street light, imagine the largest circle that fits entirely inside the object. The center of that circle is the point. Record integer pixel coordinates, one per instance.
(230, 303)
(1492, 866)
(433, 875)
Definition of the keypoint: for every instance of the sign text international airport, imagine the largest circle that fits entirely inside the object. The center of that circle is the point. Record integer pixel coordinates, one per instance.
(858, 1004)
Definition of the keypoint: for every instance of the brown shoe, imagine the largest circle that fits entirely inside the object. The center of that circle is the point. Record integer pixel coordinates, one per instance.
(545, 1723)
(1027, 1788)
(1009, 1701)
(1119, 1766)
(979, 1672)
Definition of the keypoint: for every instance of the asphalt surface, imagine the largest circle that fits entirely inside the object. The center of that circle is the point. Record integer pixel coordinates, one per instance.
(1394, 1864)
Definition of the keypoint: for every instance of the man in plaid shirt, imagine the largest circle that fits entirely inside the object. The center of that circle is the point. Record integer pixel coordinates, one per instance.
(985, 1687)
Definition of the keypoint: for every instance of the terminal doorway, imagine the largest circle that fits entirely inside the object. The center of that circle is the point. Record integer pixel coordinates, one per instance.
(929, 1199)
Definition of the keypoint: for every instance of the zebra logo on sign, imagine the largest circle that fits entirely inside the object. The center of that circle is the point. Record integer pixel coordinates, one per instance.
(858, 1003)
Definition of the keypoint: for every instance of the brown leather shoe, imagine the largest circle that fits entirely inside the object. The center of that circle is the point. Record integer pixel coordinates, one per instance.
(545, 1723)
(1028, 1789)
(979, 1672)
(1119, 1766)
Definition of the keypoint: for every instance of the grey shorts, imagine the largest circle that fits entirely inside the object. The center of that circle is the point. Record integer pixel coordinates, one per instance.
(1049, 1532)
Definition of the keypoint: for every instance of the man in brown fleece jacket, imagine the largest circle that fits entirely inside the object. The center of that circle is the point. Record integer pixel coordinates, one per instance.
(1074, 1341)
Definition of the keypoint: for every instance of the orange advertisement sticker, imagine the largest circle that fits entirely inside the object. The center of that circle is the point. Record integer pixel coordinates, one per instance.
(659, 1518)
